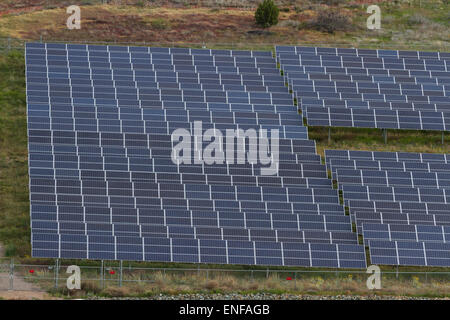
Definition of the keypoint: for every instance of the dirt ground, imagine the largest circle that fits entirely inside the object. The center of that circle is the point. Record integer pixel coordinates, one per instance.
(27, 290)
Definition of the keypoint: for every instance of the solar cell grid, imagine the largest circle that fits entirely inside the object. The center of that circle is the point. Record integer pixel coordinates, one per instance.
(385, 80)
(103, 185)
(409, 253)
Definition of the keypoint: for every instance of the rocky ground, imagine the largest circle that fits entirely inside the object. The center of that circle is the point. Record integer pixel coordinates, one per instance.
(264, 296)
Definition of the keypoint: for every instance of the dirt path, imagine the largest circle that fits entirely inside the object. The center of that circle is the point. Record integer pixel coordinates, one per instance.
(27, 290)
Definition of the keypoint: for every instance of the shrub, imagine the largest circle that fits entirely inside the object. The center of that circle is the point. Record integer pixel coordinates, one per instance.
(330, 21)
(10, 250)
(90, 287)
(416, 19)
(159, 24)
(211, 285)
(267, 14)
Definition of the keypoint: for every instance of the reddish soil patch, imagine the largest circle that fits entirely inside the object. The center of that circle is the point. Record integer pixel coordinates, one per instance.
(101, 25)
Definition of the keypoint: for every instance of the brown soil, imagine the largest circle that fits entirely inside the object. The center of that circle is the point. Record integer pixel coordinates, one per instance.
(27, 290)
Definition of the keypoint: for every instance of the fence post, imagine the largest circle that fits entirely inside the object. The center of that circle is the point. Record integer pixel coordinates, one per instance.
(329, 135)
(120, 273)
(56, 273)
(102, 275)
(295, 280)
(11, 275)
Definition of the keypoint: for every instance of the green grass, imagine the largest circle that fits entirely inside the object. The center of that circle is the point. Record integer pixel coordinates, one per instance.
(14, 203)
(372, 139)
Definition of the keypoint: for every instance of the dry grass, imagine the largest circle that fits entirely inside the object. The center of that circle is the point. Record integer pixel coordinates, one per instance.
(349, 284)
(372, 139)
(231, 26)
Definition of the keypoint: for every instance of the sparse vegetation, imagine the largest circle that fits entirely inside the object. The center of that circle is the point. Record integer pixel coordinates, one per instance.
(275, 283)
(159, 24)
(216, 26)
(331, 20)
(14, 202)
(416, 19)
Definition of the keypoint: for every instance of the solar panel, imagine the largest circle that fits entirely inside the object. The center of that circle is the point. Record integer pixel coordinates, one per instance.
(409, 253)
(398, 202)
(405, 232)
(360, 217)
(364, 88)
(103, 184)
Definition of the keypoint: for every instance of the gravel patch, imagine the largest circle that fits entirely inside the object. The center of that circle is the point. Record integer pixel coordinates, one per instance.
(266, 296)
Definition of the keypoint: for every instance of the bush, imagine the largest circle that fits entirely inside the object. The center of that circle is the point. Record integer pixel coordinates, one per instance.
(267, 14)
(330, 21)
(159, 24)
(416, 19)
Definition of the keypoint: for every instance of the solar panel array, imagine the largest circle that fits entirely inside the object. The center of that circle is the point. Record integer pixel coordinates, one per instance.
(103, 184)
(399, 202)
(386, 89)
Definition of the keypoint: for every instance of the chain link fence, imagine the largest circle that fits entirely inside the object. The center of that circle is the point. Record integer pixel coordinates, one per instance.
(107, 275)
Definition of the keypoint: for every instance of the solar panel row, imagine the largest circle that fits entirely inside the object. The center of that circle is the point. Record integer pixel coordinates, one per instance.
(387, 165)
(369, 88)
(378, 118)
(199, 251)
(362, 52)
(360, 217)
(211, 232)
(410, 253)
(398, 202)
(402, 232)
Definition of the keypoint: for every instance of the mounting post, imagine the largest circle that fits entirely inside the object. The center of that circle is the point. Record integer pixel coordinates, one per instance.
(385, 135)
(121, 273)
(442, 139)
(102, 275)
(11, 275)
(56, 273)
(329, 135)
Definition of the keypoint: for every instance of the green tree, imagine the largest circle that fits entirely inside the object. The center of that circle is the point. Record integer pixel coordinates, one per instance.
(267, 14)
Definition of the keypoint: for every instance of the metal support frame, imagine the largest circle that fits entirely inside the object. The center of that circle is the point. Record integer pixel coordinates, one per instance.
(120, 273)
(442, 138)
(11, 275)
(385, 135)
(329, 135)
(56, 271)
(102, 274)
